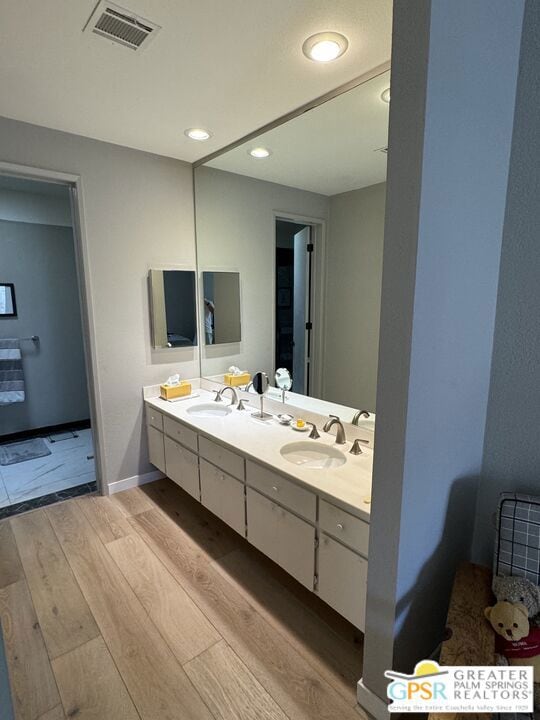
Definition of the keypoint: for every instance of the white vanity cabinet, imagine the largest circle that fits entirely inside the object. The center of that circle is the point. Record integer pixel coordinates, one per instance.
(317, 542)
(283, 537)
(182, 467)
(342, 580)
(156, 447)
(224, 496)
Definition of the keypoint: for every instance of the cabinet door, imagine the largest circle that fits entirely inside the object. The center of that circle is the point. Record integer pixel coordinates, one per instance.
(343, 580)
(285, 538)
(224, 496)
(182, 467)
(156, 450)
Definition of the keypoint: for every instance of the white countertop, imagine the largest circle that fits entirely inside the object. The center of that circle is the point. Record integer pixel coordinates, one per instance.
(346, 486)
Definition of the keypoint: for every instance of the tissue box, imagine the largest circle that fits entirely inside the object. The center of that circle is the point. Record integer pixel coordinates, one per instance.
(236, 380)
(169, 392)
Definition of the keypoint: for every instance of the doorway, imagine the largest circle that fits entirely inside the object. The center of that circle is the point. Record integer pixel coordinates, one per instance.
(294, 325)
(46, 440)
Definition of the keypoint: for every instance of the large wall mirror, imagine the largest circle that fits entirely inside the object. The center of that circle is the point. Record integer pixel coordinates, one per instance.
(173, 316)
(299, 211)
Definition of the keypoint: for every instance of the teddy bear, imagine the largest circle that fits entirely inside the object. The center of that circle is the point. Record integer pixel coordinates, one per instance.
(516, 641)
(519, 590)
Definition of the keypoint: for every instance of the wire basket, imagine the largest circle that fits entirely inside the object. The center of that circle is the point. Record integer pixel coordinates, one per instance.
(517, 545)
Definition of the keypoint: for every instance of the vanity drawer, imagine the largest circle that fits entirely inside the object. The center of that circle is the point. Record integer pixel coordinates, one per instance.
(156, 449)
(345, 527)
(179, 432)
(154, 418)
(342, 580)
(224, 496)
(223, 458)
(283, 537)
(282, 490)
(182, 467)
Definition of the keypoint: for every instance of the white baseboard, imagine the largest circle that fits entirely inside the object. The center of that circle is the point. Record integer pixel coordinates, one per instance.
(134, 481)
(371, 703)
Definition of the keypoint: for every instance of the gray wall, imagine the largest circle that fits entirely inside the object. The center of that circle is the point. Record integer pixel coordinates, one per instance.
(138, 214)
(50, 209)
(353, 296)
(454, 73)
(236, 231)
(512, 445)
(40, 261)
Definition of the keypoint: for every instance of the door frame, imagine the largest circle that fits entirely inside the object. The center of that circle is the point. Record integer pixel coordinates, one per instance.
(318, 293)
(80, 241)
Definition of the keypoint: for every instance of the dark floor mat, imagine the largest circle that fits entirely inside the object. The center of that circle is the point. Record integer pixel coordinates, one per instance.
(18, 452)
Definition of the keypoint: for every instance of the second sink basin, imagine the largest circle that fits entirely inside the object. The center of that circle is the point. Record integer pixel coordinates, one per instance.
(313, 455)
(210, 409)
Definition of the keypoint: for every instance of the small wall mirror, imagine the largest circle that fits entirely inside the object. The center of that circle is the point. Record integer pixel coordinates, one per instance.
(172, 308)
(221, 307)
(8, 306)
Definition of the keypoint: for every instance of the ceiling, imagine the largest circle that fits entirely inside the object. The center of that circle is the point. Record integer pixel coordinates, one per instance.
(329, 150)
(230, 67)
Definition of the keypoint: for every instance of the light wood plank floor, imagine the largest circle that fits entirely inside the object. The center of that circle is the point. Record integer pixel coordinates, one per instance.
(144, 606)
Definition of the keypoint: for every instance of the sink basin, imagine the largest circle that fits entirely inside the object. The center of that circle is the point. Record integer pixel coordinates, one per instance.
(313, 455)
(210, 409)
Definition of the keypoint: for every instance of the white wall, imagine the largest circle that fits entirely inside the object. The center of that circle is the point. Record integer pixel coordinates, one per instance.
(138, 213)
(454, 73)
(353, 296)
(40, 261)
(35, 208)
(235, 231)
(511, 460)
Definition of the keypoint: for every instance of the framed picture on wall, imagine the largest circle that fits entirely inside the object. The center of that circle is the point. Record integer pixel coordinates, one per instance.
(8, 306)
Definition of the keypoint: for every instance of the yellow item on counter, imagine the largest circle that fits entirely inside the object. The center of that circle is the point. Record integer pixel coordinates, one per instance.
(300, 423)
(236, 380)
(169, 392)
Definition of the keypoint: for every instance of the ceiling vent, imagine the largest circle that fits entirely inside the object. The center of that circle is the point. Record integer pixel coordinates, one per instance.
(121, 26)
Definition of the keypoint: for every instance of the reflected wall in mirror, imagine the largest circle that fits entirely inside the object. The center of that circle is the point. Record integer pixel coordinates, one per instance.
(305, 227)
(173, 315)
(8, 306)
(221, 307)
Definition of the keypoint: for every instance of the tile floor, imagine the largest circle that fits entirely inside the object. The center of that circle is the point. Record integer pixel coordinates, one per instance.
(65, 467)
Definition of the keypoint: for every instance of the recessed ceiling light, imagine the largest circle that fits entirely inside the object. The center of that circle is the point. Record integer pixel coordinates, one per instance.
(199, 134)
(260, 152)
(385, 95)
(325, 46)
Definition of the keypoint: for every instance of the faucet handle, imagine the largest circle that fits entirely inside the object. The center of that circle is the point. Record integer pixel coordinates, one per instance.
(241, 404)
(356, 449)
(314, 434)
(218, 397)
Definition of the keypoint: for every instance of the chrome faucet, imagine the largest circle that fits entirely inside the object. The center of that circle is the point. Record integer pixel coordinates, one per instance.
(248, 386)
(219, 394)
(358, 415)
(340, 434)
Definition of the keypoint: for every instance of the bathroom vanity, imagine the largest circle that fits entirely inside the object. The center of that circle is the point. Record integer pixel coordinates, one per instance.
(304, 503)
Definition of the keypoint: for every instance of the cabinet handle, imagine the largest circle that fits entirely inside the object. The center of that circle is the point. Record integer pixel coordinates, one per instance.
(340, 526)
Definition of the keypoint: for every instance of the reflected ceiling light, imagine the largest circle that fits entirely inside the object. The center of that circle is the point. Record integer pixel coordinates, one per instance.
(260, 152)
(325, 47)
(385, 95)
(199, 134)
